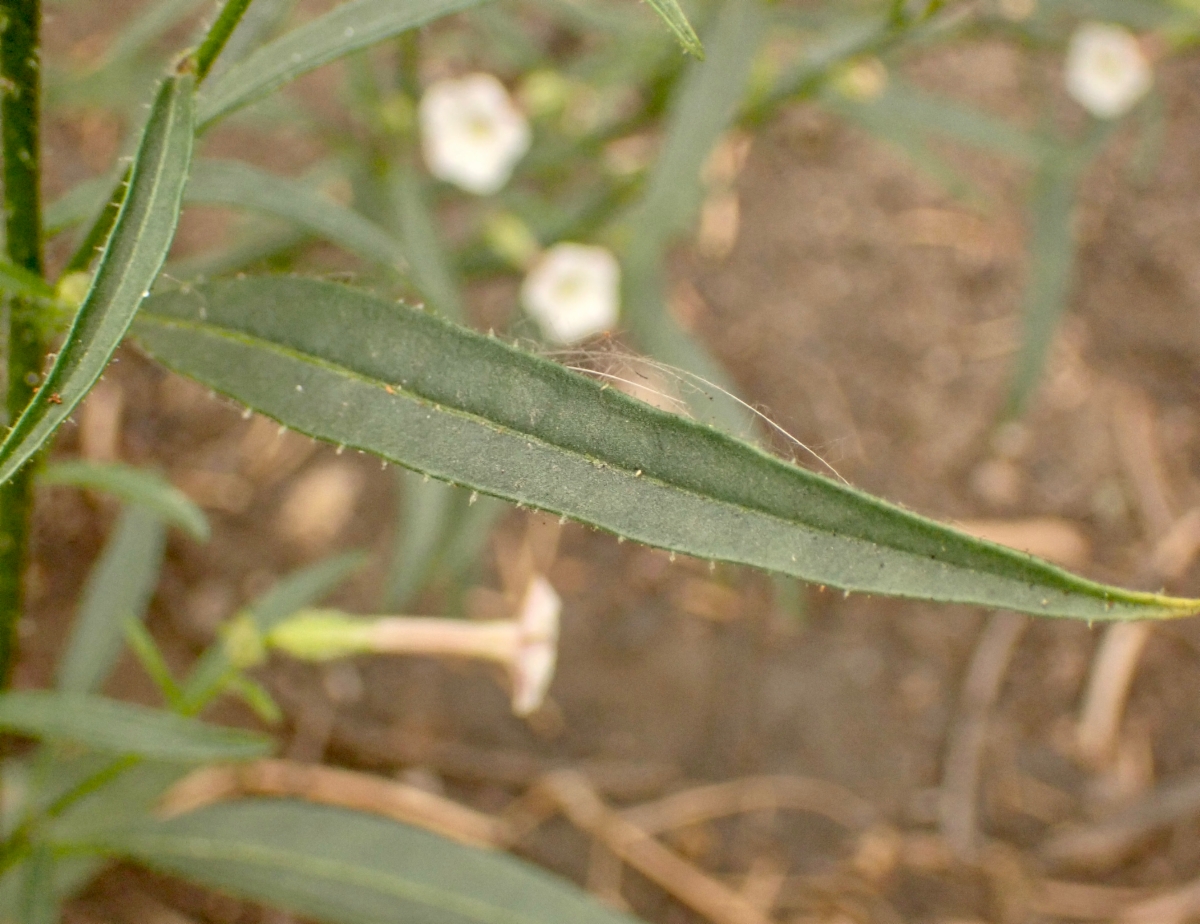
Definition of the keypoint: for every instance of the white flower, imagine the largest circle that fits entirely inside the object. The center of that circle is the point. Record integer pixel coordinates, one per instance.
(573, 292)
(1106, 71)
(471, 133)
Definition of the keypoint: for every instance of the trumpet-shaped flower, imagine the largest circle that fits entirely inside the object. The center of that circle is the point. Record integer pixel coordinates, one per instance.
(471, 133)
(1106, 71)
(573, 292)
(526, 645)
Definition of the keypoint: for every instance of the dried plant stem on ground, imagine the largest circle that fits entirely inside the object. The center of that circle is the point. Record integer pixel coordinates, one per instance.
(1105, 844)
(753, 794)
(577, 799)
(1113, 669)
(331, 786)
(958, 803)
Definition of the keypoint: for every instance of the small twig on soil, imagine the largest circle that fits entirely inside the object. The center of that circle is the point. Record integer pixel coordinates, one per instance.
(1113, 669)
(1136, 436)
(753, 794)
(763, 883)
(604, 876)
(332, 786)
(577, 799)
(1079, 901)
(1178, 548)
(391, 747)
(1106, 844)
(958, 805)
(1177, 906)
(1116, 660)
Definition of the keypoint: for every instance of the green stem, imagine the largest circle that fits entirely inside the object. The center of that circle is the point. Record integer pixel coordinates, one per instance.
(206, 55)
(20, 91)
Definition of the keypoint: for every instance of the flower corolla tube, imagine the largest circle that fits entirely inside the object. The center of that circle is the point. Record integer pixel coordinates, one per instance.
(1106, 70)
(573, 292)
(472, 135)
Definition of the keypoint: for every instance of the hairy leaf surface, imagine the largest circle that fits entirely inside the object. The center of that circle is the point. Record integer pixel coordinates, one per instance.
(132, 258)
(466, 408)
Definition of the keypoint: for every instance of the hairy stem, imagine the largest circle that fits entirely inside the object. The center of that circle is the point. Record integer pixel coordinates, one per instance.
(20, 68)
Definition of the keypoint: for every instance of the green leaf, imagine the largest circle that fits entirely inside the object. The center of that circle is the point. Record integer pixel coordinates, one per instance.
(467, 408)
(420, 532)
(878, 119)
(119, 587)
(39, 902)
(113, 727)
(133, 485)
(703, 109)
(71, 874)
(678, 23)
(359, 869)
(241, 186)
(709, 392)
(303, 588)
(131, 261)
(79, 203)
(347, 28)
(430, 269)
(146, 650)
(16, 280)
(1052, 262)
(934, 114)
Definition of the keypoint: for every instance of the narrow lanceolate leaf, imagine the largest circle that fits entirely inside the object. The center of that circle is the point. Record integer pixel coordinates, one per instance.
(240, 186)
(702, 109)
(113, 727)
(131, 261)
(138, 486)
(1051, 264)
(674, 17)
(347, 28)
(467, 408)
(119, 588)
(343, 867)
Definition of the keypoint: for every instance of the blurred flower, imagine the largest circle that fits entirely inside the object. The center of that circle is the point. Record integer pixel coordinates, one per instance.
(471, 133)
(511, 239)
(544, 93)
(573, 292)
(862, 79)
(1106, 71)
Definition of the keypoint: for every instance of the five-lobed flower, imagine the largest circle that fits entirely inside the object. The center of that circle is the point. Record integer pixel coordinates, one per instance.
(472, 135)
(1106, 69)
(573, 292)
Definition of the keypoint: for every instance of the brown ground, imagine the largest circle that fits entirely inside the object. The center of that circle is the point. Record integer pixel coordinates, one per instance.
(887, 350)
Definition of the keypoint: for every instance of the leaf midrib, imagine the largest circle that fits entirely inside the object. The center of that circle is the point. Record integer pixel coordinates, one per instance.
(1042, 571)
